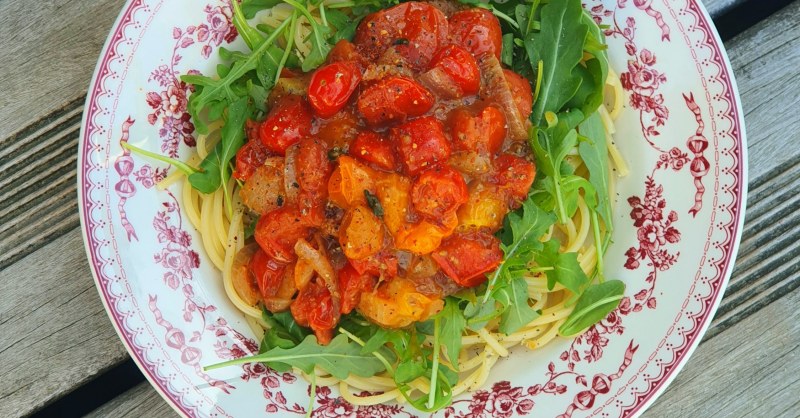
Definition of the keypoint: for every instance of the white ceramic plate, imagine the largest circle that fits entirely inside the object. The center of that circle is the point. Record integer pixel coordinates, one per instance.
(678, 217)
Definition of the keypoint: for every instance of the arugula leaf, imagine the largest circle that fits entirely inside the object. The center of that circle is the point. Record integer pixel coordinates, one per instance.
(251, 7)
(561, 267)
(559, 45)
(551, 146)
(451, 324)
(517, 312)
(214, 168)
(340, 358)
(595, 304)
(285, 323)
(594, 153)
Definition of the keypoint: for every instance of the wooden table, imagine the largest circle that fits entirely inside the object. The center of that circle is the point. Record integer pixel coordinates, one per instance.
(60, 355)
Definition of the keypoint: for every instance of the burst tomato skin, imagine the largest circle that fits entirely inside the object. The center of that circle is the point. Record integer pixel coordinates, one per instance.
(286, 124)
(521, 90)
(268, 273)
(278, 231)
(515, 176)
(394, 99)
(352, 284)
(465, 257)
(421, 143)
(416, 30)
(483, 133)
(331, 87)
(477, 30)
(438, 191)
(374, 148)
(315, 308)
(249, 157)
(460, 66)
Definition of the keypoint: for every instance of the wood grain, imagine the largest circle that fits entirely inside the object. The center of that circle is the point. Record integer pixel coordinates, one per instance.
(53, 330)
(141, 401)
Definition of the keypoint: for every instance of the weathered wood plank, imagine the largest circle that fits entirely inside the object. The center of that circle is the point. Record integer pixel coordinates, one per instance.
(141, 401)
(747, 368)
(54, 332)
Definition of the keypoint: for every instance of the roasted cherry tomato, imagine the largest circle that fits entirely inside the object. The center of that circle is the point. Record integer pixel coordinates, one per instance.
(338, 132)
(312, 166)
(514, 175)
(249, 157)
(331, 87)
(361, 233)
(268, 273)
(278, 231)
(478, 30)
(315, 308)
(382, 264)
(393, 99)
(374, 148)
(421, 144)
(521, 90)
(438, 191)
(465, 257)
(344, 51)
(352, 284)
(287, 122)
(461, 67)
(415, 30)
(483, 133)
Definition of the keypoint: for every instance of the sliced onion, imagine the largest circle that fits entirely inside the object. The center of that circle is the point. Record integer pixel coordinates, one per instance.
(303, 272)
(290, 174)
(243, 282)
(495, 87)
(321, 265)
(439, 82)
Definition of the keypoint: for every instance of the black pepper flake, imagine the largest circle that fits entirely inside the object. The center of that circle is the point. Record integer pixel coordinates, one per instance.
(334, 153)
(280, 200)
(401, 41)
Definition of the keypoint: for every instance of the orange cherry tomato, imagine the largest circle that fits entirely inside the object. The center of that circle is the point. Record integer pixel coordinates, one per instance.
(278, 231)
(425, 236)
(461, 67)
(286, 123)
(478, 30)
(416, 30)
(465, 257)
(314, 308)
(382, 264)
(393, 99)
(374, 148)
(352, 284)
(250, 156)
(521, 90)
(421, 144)
(515, 176)
(331, 87)
(483, 133)
(438, 191)
(349, 180)
(361, 233)
(268, 272)
(485, 208)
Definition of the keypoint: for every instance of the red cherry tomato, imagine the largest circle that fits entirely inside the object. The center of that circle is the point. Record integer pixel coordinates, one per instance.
(312, 166)
(314, 307)
(416, 30)
(374, 148)
(515, 176)
(352, 284)
(394, 99)
(478, 30)
(278, 231)
(439, 191)
(268, 273)
(461, 67)
(521, 90)
(287, 122)
(483, 133)
(384, 263)
(249, 157)
(465, 257)
(421, 144)
(331, 87)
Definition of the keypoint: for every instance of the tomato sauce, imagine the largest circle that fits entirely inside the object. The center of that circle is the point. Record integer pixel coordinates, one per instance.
(394, 161)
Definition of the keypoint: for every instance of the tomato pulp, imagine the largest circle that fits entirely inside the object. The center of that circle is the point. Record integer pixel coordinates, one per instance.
(394, 171)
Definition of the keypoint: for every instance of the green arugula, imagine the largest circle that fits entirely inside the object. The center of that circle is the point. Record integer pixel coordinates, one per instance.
(595, 303)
